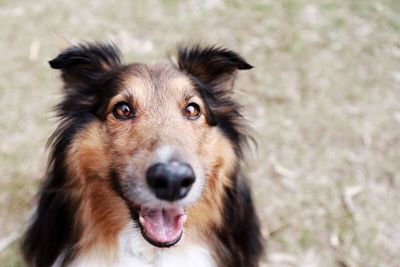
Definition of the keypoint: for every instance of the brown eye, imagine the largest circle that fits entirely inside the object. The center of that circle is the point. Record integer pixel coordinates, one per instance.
(192, 111)
(123, 111)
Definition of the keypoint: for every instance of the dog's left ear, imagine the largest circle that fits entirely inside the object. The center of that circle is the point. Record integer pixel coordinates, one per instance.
(83, 65)
(214, 66)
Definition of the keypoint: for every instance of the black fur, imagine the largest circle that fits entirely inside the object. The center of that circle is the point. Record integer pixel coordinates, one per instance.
(85, 69)
(85, 64)
(241, 233)
(210, 64)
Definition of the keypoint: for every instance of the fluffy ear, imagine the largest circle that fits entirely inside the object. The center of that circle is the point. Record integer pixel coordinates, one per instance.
(83, 68)
(214, 66)
(84, 65)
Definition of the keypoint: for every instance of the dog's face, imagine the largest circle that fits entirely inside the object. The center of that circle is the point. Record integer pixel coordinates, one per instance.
(158, 137)
(162, 137)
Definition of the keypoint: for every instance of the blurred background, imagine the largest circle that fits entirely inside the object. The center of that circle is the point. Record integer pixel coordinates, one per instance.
(324, 102)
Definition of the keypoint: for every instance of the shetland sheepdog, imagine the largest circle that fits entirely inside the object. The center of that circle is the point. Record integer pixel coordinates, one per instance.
(144, 166)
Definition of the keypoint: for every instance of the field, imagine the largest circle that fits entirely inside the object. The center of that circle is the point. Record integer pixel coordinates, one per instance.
(323, 100)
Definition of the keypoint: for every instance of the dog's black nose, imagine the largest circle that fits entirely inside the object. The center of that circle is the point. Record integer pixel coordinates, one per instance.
(170, 181)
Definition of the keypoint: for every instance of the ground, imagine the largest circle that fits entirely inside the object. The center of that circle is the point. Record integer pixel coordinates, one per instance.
(323, 100)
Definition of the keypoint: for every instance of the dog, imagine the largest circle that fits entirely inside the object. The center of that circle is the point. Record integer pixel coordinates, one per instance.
(144, 166)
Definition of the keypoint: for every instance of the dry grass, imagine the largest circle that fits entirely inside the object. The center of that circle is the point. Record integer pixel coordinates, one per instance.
(324, 100)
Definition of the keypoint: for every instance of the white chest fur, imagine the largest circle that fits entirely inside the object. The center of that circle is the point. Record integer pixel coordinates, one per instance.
(134, 251)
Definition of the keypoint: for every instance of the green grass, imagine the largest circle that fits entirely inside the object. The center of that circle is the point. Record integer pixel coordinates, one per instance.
(11, 257)
(324, 100)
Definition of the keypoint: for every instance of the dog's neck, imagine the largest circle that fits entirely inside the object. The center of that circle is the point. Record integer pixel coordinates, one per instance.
(133, 250)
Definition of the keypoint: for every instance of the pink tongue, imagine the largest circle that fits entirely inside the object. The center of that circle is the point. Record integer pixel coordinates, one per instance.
(162, 225)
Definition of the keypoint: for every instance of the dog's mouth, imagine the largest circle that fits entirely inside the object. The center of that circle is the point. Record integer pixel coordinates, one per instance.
(161, 227)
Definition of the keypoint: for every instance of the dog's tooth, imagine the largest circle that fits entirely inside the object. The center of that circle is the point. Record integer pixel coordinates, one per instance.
(141, 220)
(184, 218)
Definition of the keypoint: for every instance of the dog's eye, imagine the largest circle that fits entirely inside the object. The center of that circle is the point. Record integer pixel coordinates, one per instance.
(192, 111)
(123, 111)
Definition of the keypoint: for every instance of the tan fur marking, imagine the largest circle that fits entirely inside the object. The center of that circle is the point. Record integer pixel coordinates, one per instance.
(208, 211)
(103, 213)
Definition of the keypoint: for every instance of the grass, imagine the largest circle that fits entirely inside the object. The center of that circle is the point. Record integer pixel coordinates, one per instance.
(324, 100)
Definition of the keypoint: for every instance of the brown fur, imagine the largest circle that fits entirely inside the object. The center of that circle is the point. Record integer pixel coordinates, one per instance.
(103, 212)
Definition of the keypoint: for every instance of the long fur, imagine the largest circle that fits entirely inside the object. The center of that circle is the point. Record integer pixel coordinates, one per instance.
(56, 228)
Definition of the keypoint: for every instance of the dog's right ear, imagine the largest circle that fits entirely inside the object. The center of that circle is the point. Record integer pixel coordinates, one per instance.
(214, 66)
(83, 65)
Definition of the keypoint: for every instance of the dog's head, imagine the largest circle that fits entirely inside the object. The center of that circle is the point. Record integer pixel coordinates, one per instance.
(161, 140)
